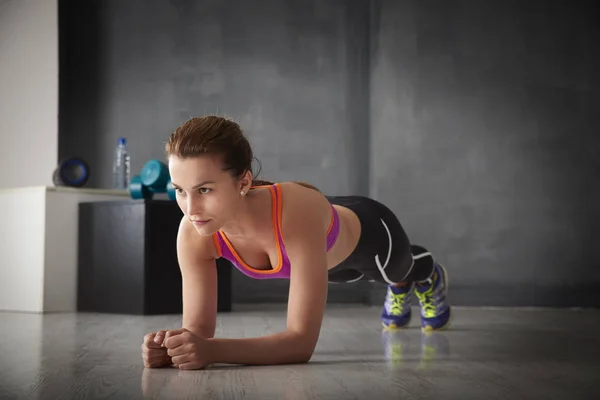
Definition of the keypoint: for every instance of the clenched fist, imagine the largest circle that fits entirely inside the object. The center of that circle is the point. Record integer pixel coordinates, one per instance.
(187, 350)
(154, 353)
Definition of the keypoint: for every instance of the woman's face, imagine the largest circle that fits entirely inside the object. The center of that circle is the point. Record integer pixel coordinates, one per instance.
(206, 194)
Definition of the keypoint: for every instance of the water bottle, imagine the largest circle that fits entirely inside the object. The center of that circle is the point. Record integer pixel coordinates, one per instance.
(121, 166)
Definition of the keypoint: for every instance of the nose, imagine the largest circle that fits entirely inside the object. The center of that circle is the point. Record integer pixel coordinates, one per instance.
(193, 206)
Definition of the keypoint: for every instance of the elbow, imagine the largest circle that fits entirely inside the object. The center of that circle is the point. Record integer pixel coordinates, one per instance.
(304, 358)
(300, 357)
(304, 349)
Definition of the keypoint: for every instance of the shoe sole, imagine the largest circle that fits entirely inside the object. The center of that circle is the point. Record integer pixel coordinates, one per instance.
(394, 327)
(441, 328)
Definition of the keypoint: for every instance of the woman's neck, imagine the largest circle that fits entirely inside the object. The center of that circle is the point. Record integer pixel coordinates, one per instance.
(249, 215)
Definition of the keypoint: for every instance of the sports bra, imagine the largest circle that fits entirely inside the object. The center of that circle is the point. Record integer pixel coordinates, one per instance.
(282, 270)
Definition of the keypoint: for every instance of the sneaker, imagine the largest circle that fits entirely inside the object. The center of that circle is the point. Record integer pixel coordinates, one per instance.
(396, 309)
(435, 310)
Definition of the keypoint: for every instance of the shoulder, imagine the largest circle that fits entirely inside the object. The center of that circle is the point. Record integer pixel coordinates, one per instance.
(298, 199)
(304, 210)
(192, 245)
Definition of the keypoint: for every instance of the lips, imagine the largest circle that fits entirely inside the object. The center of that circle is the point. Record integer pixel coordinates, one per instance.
(200, 221)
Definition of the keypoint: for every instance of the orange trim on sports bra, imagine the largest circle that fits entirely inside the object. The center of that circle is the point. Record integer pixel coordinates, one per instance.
(276, 221)
(217, 245)
(331, 223)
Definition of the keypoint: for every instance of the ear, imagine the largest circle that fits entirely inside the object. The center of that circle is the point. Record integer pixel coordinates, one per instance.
(246, 182)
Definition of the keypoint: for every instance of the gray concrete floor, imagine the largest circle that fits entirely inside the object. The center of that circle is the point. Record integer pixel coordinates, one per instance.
(486, 354)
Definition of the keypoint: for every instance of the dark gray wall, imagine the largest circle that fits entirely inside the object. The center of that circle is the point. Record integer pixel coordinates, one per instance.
(472, 120)
(294, 74)
(485, 141)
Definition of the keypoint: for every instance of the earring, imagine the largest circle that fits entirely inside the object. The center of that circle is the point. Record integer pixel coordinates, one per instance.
(242, 192)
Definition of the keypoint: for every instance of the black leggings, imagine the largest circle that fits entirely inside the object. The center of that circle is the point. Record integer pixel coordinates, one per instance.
(383, 253)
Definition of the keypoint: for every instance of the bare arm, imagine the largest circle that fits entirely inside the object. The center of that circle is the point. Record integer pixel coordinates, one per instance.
(306, 247)
(199, 280)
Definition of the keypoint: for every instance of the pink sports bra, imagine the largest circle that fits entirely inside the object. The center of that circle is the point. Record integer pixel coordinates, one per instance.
(282, 270)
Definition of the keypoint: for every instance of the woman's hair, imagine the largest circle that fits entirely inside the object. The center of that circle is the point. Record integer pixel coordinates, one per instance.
(219, 136)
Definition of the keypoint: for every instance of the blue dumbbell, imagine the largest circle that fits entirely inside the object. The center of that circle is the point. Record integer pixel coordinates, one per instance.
(138, 190)
(170, 190)
(155, 175)
(154, 178)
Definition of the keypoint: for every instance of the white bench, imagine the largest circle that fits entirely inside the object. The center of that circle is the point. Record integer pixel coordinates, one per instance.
(38, 246)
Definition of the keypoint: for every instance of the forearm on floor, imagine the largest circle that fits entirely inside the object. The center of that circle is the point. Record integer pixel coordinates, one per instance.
(280, 348)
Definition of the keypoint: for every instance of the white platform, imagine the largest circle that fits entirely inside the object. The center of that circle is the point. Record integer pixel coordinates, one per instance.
(38, 246)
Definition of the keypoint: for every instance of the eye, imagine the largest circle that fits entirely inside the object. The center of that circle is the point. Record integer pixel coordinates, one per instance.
(204, 190)
(179, 191)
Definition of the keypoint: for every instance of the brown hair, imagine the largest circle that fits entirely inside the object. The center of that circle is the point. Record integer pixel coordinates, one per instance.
(217, 136)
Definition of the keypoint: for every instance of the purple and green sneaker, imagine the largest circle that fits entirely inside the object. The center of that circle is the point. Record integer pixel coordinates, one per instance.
(432, 295)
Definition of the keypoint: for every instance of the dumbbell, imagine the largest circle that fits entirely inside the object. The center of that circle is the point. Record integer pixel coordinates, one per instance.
(138, 190)
(154, 178)
(170, 190)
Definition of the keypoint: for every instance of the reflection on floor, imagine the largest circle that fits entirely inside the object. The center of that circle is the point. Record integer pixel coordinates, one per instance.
(486, 353)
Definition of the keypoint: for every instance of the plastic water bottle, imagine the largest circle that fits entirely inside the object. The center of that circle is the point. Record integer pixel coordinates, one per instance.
(121, 166)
